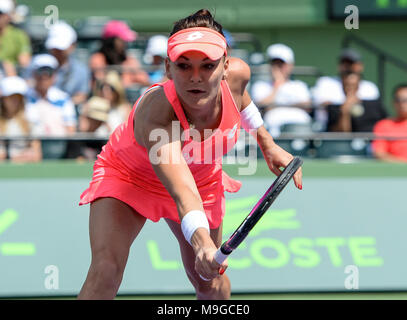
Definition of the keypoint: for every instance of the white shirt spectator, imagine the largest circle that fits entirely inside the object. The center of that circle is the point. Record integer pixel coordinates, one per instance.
(329, 90)
(291, 93)
(52, 115)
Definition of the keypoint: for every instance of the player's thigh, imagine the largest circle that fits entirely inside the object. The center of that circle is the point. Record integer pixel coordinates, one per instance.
(113, 226)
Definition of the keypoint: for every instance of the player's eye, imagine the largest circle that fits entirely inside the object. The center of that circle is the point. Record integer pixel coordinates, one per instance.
(209, 66)
(182, 66)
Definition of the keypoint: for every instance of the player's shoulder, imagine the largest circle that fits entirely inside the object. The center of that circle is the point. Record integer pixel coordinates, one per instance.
(238, 75)
(153, 111)
(153, 108)
(238, 69)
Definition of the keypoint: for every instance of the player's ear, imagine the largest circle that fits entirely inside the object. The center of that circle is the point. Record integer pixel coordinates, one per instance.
(167, 68)
(225, 68)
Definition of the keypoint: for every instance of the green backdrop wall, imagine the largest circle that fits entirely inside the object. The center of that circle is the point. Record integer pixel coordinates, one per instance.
(302, 24)
(346, 227)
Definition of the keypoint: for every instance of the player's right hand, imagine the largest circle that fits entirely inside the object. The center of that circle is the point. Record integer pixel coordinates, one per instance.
(206, 265)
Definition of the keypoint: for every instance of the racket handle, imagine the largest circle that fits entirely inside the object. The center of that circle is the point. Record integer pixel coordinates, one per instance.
(219, 257)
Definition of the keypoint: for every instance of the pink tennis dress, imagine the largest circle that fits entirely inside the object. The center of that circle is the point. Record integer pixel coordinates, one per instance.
(123, 169)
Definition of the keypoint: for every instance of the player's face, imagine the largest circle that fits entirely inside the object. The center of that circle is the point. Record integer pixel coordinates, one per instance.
(196, 78)
(401, 103)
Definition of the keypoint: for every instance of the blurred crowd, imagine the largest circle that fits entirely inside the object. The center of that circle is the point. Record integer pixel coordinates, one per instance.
(54, 94)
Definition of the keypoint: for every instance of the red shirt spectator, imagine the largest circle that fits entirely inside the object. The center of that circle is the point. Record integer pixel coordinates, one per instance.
(393, 150)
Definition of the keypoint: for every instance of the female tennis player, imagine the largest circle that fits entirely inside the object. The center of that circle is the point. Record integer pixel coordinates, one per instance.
(152, 168)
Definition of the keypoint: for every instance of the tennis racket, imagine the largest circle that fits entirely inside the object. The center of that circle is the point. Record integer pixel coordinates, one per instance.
(258, 211)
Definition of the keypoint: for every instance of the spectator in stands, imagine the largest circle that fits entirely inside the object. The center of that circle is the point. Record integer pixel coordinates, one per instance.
(154, 57)
(94, 116)
(49, 109)
(93, 119)
(72, 76)
(354, 114)
(115, 36)
(15, 46)
(13, 122)
(393, 150)
(285, 101)
(330, 91)
(113, 91)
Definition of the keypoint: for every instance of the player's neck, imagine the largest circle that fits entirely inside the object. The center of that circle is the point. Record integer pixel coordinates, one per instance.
(205, 116)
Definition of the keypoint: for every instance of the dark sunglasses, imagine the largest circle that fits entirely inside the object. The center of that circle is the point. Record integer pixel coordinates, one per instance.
(277, 62)
(45, 71)
(399, 100)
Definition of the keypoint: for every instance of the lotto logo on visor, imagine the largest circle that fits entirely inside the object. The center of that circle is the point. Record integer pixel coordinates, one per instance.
(195, 36)
(205, 40)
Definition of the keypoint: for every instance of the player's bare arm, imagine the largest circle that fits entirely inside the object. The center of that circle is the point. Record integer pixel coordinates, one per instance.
(238, 76)
(174, 173)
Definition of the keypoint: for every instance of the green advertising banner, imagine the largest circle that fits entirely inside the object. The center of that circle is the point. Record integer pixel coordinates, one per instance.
(337, 234)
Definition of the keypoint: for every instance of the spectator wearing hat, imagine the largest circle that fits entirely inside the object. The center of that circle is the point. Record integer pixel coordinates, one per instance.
(94, 115)
(354, 114)
(49, 109)
(15, 46)
(113, 91)
(113, 53)
(284, 101)
(154, 57)
(72, 76)
(13, 122)
(329, 91)
(92, 120)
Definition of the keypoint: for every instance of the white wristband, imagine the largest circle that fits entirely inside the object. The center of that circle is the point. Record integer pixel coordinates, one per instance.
(191, 221)
(251, 117)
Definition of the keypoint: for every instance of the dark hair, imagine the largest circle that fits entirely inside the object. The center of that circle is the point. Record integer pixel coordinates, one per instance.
(201, 18)
(398, 88)
(113, 57)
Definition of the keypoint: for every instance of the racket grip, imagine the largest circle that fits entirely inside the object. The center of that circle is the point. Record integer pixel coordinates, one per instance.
(219, 257)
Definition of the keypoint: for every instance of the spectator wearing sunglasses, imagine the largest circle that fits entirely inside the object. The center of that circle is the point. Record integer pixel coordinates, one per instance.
(285, 101)
(72, 76)
(329, 93)
(49, 109)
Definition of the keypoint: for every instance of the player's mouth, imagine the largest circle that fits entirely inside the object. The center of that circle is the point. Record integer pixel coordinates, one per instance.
(196, 91)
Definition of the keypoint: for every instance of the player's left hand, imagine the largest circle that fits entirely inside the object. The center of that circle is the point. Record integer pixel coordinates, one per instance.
(276, 157)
